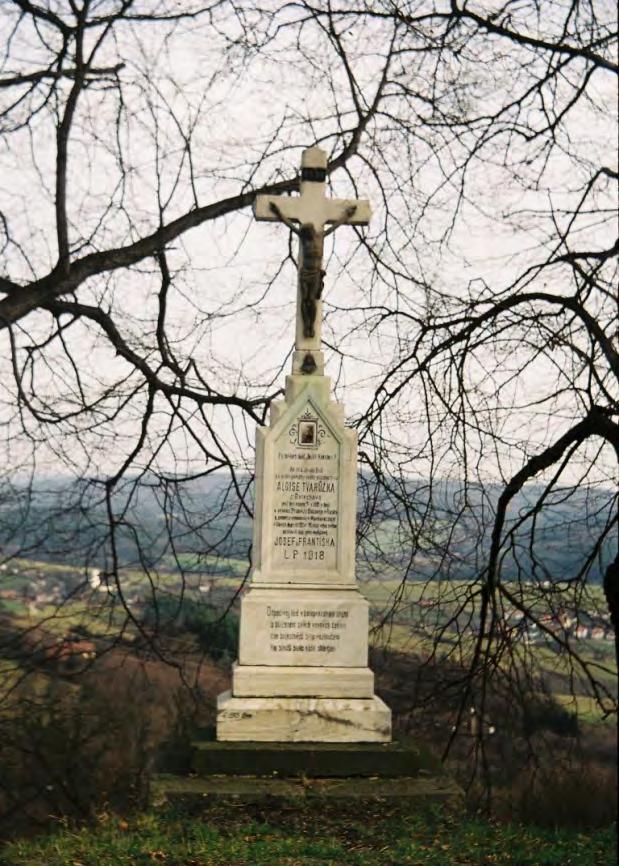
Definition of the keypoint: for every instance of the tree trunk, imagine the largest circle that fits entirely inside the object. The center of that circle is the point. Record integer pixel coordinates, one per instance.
(611, 591)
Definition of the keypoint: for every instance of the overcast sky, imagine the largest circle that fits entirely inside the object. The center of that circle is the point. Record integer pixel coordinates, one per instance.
(222, 311)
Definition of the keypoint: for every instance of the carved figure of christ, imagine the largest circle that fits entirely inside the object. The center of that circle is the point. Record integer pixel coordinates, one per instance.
(307, 215)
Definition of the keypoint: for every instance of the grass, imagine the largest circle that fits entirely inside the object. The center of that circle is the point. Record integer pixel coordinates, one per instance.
(587, 708)
(309, 835)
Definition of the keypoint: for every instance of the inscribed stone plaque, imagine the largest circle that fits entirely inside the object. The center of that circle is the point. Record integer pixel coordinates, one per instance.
(306, 482)
(304, 630)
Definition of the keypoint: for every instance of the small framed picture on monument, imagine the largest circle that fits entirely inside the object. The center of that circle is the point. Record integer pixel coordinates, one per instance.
(307, 433)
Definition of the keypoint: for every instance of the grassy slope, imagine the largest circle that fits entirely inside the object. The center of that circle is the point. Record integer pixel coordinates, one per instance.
(307, 835)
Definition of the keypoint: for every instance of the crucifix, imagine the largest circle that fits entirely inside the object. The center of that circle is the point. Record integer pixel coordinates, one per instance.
(307, 215)
(286, 686)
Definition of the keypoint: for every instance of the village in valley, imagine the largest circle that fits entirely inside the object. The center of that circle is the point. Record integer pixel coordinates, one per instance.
(52, 594)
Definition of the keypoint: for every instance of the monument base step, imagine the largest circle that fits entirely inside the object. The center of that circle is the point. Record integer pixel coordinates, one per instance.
(325, 682)
(317, 720)
(312, 760)
(440, 790)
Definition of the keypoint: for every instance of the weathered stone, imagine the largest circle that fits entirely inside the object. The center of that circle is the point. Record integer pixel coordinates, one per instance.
(306, 476)
(302, 671)
(320, 682)
(303, 719)
(304, 627)
(309, 760)
(311, 211)
(418, 790)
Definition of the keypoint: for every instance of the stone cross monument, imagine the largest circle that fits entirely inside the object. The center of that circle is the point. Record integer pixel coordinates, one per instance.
(302, 671)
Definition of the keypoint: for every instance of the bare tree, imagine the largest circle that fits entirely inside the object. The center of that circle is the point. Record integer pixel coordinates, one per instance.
(474, 324)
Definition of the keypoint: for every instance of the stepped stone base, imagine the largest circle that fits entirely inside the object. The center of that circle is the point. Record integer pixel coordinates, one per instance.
(330, 720)
(265, 772)
(260, 681)
(418, 790)
(313, 760)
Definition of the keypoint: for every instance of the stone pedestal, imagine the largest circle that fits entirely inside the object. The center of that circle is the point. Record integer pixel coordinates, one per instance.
(302, 672)
(303, 720)
(306, 773)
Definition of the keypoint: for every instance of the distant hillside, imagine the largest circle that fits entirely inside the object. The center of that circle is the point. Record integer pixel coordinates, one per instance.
(575, 531)
(157, 525)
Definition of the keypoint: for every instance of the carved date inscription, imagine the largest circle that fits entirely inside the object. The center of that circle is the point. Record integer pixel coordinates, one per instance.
(306, 495)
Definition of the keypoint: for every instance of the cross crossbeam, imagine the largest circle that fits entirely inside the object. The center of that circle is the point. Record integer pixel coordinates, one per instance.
(311, 211)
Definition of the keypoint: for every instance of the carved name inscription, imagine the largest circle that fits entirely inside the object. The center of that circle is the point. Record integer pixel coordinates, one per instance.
(306, 630)
(306, 495)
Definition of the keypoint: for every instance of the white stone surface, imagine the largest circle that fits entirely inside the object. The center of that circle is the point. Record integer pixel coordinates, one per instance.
(319, 682)
(297, 720)
(306, 627)
(306, 477)
(302, 671)
(311, 208)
